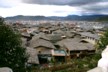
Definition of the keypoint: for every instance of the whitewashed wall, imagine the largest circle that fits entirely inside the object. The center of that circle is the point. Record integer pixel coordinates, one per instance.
(102, 63)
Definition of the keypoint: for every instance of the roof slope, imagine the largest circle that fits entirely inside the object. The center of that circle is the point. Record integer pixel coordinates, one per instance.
(36, 42)
(75, 44)
(33, 58)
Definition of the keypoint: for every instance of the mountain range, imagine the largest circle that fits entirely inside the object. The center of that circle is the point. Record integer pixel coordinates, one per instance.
(70, 17)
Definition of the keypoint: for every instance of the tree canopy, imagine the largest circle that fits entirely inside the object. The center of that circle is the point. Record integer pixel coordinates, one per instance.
(1, 20)
(12, 54)
(103, 42)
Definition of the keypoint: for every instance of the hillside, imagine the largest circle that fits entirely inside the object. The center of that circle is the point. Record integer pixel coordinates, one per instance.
(105, 18)
(70, 17)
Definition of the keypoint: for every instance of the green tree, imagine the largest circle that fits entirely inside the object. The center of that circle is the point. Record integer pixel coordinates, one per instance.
(103, 42)
(1, 20)
(12, 54)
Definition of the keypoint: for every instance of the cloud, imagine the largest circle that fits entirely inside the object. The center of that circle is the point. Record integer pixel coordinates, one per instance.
(63, 2)
(86, 6)
(97, 8)
(52, 7)
(35, 9)
(9, 3)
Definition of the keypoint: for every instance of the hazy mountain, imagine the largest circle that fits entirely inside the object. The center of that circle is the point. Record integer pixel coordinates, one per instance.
(70, 17)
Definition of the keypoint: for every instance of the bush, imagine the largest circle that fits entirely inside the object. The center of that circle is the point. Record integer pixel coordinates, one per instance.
(12, 54)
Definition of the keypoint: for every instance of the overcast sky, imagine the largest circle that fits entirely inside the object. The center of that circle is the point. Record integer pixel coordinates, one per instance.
(52, 7)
